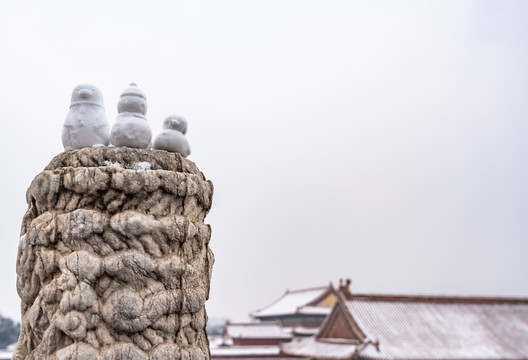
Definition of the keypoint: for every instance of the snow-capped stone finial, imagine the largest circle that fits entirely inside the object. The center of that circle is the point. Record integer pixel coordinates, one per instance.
(86, 124)
(131, 127)
(172, 137)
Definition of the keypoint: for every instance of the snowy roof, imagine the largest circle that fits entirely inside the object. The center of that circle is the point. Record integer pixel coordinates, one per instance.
(317, 310)
(245, 351)
(265, 330)
(249, 352)
(422, 327)
(296, 302)
(310, 346)
(303, 331)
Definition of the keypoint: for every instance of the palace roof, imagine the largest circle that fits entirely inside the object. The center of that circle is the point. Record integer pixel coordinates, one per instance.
(313, 301)
(419, 327)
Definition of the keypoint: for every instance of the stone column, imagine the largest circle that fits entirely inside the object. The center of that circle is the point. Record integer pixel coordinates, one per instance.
(114, 261)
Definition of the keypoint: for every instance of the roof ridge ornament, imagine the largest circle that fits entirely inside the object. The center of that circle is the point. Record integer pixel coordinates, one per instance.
(344, 287)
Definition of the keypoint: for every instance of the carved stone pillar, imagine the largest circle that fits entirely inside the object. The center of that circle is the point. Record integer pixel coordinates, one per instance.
(114, 261)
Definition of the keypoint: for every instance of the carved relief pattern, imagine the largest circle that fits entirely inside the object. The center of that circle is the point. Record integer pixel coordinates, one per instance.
(114, 262)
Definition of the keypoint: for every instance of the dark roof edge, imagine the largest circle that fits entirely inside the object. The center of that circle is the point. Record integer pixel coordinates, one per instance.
(309, 289)
(437, 299)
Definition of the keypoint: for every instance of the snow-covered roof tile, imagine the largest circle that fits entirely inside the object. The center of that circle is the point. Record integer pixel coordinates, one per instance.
(292, 301)
(304, 331)
(314, 310)
(441, 328)
(245, 351)
(309, 347)
(264, 330)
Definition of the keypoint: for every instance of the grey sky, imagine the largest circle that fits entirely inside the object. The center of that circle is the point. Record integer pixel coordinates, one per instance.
(381, 141)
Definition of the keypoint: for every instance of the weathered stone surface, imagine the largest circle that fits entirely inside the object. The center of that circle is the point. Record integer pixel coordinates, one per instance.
(114, 262)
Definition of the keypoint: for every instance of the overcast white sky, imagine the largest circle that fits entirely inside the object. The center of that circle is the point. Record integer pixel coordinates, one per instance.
(382, 141)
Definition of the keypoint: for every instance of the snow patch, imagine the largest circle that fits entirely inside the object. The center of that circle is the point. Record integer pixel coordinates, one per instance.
(22, 242)
(142, 165)
(109, 163)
